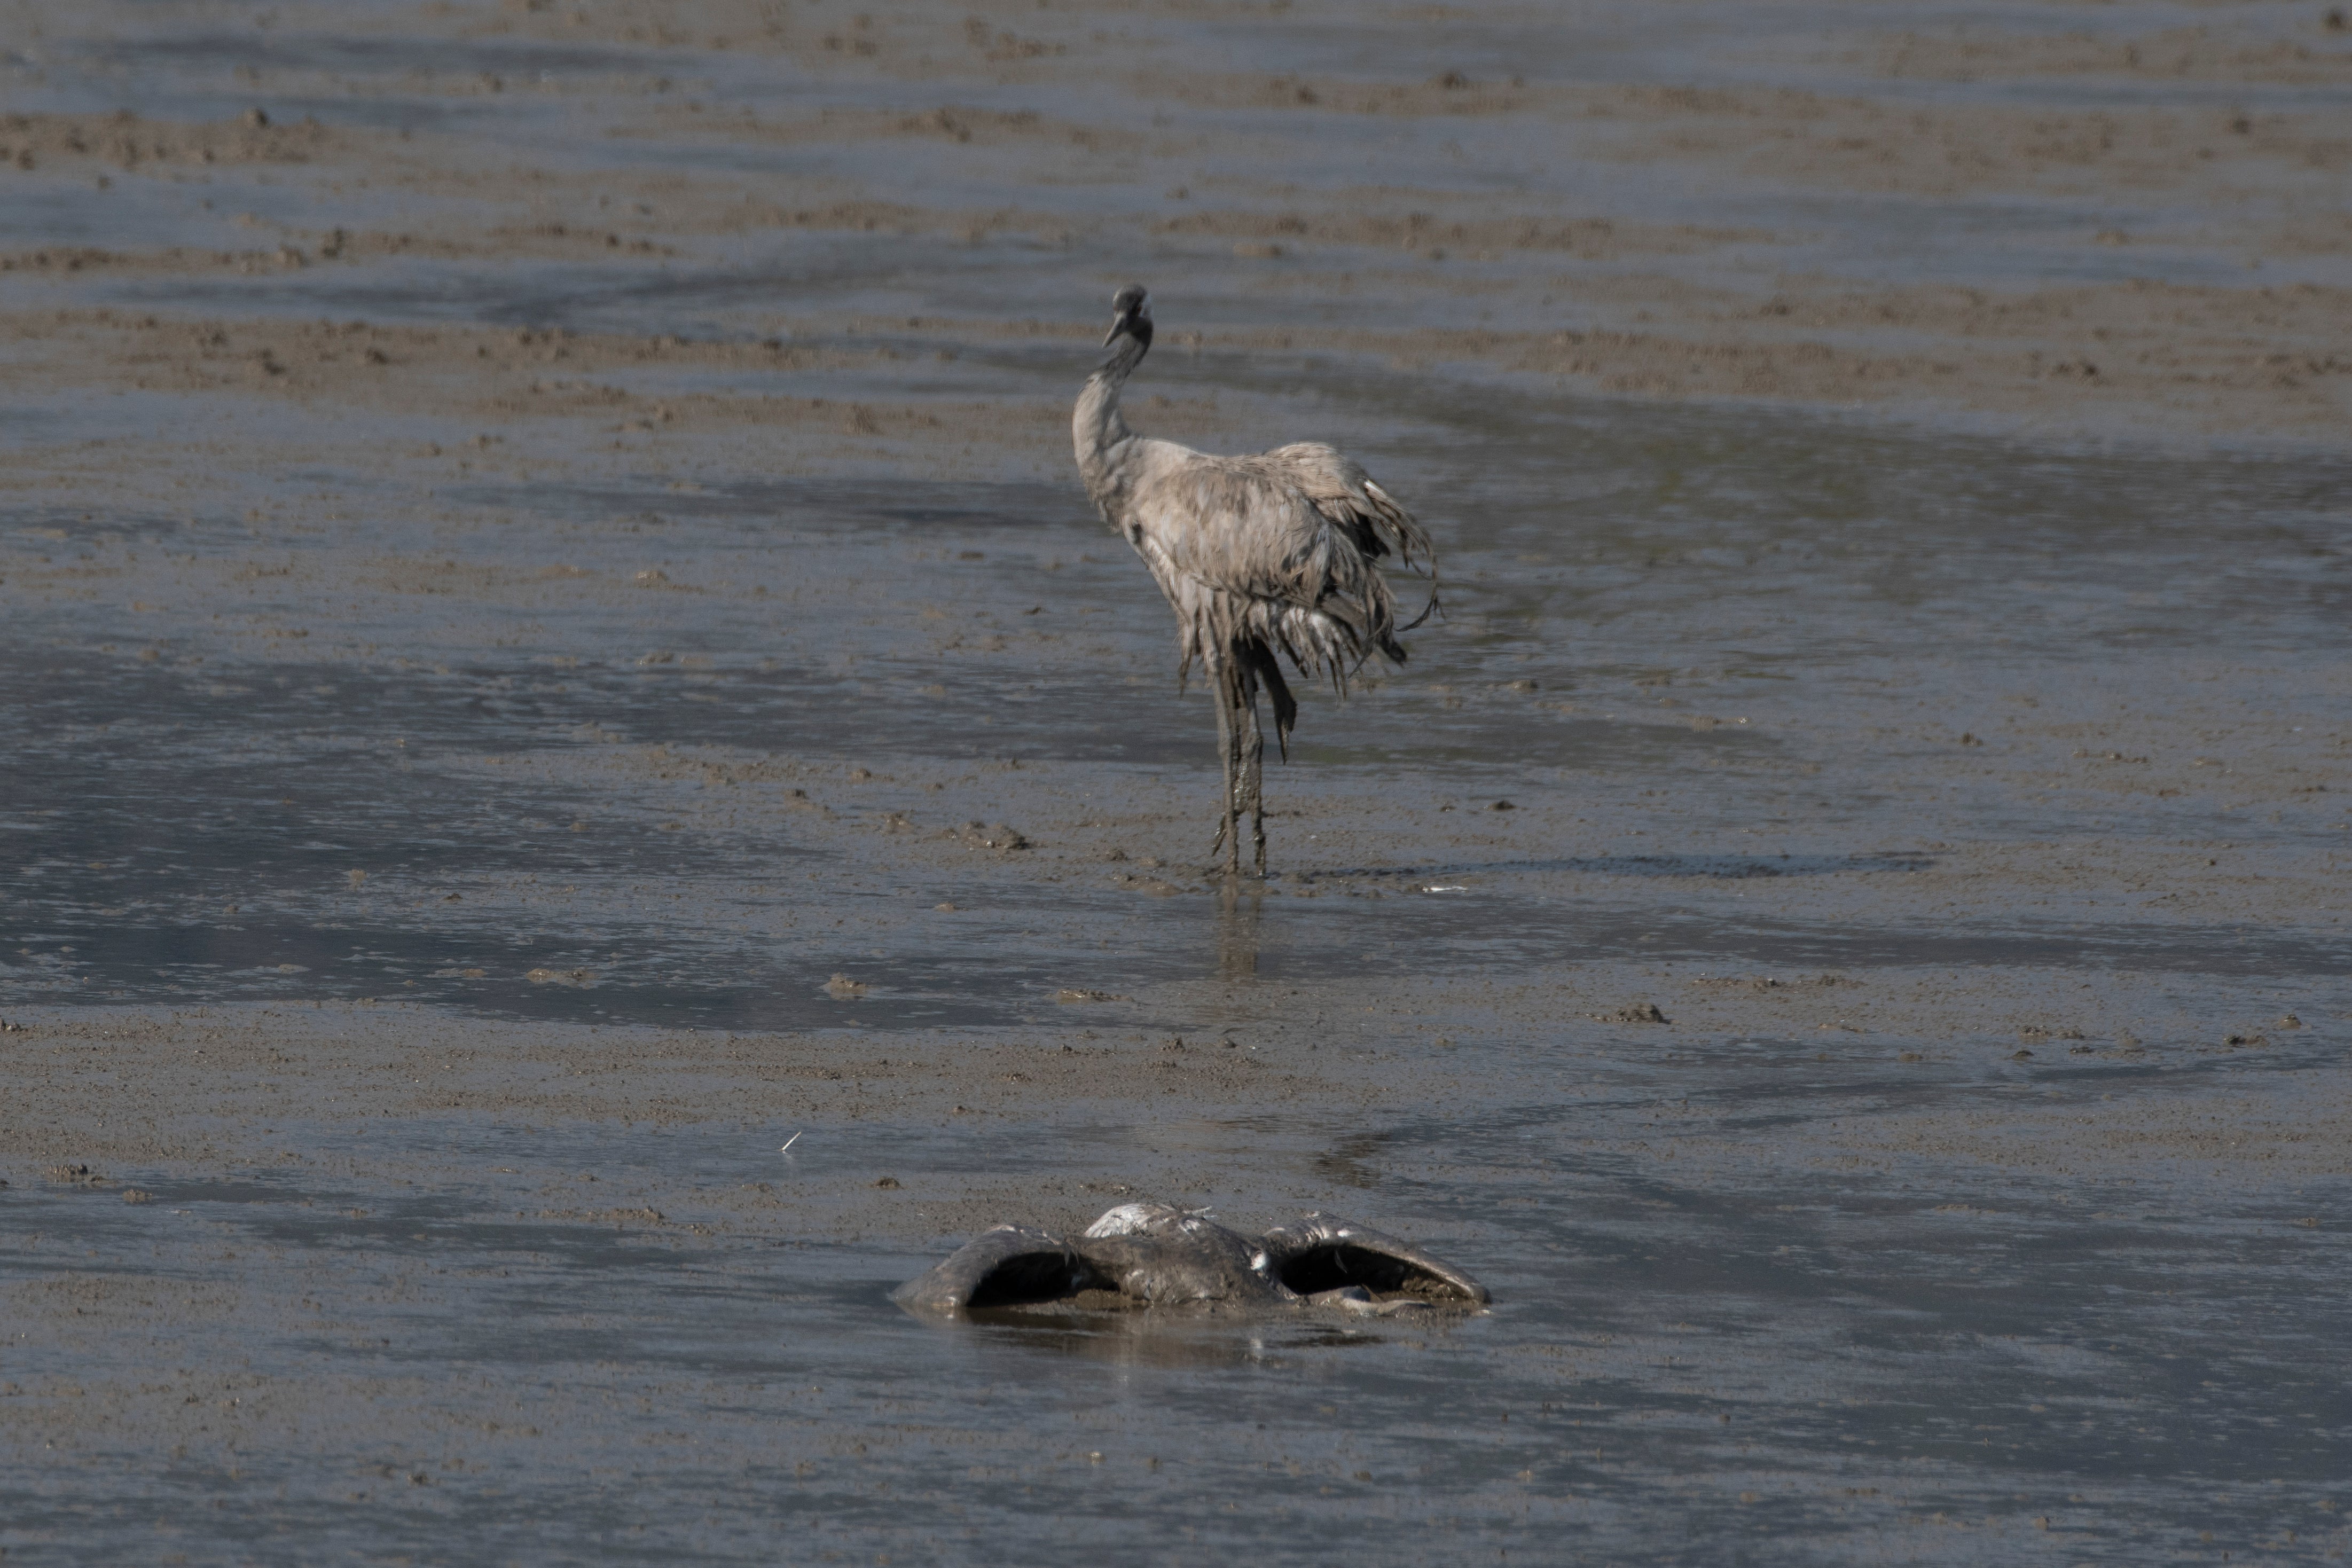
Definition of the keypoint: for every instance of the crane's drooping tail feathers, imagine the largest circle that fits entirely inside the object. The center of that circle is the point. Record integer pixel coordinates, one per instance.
(1352, 501)
(1260, 667)
(1411, 536)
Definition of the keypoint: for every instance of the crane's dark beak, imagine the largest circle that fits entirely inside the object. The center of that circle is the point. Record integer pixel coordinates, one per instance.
(1131, 318)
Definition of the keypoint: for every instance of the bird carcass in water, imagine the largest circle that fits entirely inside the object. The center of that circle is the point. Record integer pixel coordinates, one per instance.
(1150, 1254)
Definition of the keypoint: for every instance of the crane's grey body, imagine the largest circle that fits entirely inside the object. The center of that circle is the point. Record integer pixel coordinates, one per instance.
(1150, 1254)
(1260, 556)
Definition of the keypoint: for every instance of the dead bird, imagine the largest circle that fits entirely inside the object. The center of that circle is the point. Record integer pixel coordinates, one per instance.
(1150, 1255)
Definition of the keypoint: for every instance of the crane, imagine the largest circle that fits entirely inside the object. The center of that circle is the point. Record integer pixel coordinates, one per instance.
(1272, 553)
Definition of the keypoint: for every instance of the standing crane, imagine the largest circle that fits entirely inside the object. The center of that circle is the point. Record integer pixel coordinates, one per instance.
(1273, 553)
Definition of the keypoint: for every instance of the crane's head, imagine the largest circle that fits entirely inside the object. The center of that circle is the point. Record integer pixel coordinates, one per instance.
(1130, 315)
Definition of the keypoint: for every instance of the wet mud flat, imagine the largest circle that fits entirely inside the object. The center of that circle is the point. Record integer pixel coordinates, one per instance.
(584, 797)
(360, 1279)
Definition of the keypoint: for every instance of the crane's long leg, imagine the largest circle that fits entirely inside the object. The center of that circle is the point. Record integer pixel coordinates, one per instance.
(1259, 666)
(1229, 837)
(1252, 747)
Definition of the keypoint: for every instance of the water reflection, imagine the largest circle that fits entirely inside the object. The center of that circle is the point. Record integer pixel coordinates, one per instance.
(1183, 1339)
(1239, 909)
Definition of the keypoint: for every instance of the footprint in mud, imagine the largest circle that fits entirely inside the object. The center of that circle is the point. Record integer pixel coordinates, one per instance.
(1766, 982)
(980, 835)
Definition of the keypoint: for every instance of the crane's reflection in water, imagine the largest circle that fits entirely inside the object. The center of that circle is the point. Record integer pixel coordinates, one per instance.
(1240, 907)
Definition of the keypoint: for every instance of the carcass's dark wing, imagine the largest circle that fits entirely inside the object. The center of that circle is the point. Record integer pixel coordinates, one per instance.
(1323, 1252)
(1011, 1266)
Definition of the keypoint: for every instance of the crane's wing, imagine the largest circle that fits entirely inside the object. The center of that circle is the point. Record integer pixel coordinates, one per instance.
(1278, 549)
(1011, 1266)
(1323, 1252)
(1352, 499)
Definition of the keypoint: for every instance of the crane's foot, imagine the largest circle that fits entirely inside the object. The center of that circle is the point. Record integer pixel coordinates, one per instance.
(1226, 856)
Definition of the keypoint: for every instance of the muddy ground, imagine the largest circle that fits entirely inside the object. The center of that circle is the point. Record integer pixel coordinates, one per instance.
(583, 794)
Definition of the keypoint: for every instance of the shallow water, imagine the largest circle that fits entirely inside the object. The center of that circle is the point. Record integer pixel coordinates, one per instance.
(1798, 1366)
(184, 826)
(1811, 1368)
(1786, 1364)
(1771, 1291)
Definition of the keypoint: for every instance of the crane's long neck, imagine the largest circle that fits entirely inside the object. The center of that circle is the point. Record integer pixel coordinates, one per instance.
(1096, 426)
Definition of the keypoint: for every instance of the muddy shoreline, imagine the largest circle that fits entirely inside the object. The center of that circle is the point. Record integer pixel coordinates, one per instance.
(585, 794)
